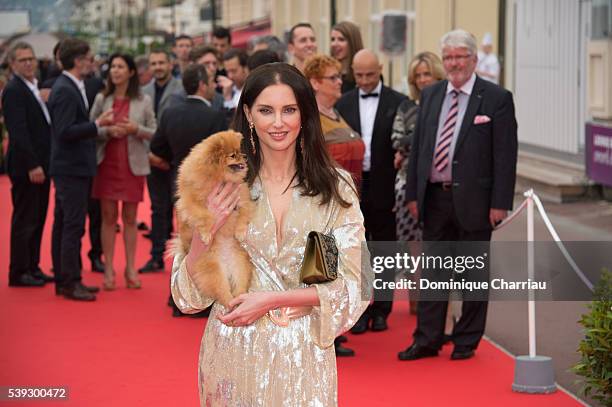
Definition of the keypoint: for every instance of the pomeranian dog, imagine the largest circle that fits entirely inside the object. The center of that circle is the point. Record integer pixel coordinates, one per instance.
(224, 270)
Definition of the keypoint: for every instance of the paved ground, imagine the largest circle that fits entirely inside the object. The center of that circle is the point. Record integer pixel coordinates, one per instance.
(558, 332)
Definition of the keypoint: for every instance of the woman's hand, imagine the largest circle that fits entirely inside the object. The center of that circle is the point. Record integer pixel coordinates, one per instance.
(129, 126)
(248, 308)
(116, 132)
(105, 119)
(221, 202)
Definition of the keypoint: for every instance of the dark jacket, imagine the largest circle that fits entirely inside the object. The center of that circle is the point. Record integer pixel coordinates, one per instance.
(382, 170)
(183, 125)
(93, 86)
(29, 133)
(73, 146)
(484, 159)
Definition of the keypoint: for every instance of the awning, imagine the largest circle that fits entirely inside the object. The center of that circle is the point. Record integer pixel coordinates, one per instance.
(241, 36)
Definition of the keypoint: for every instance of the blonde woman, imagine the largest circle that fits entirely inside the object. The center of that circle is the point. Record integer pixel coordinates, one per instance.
(425, 69)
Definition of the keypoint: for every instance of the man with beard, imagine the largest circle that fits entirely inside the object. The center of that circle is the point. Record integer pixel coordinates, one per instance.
(72, 166)
(164, 90)
(93, 85)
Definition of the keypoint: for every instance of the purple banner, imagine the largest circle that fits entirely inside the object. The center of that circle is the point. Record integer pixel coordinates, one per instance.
(599, 153)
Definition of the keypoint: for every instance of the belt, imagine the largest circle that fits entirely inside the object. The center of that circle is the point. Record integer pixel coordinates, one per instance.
(284, 315)
(444, 186)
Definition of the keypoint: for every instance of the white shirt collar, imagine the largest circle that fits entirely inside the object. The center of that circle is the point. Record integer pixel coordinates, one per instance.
(80, 84)
(466, 88)
(197, 97)
(377, 89)
(31, 84)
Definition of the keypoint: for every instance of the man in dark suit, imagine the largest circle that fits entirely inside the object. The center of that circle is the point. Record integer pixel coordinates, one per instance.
(460, 184)
(207, 56)
(29, 126)
(164, 90)
(73, 164)
(93, 85)
(186, 123)
(370, 109)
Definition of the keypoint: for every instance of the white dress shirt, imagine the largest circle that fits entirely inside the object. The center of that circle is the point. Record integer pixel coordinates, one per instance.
(367, 115)
(33, 86)
(464, 97)
(80, 85)
(233, 102)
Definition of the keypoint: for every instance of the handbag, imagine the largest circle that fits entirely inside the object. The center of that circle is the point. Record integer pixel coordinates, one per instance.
(320, 264)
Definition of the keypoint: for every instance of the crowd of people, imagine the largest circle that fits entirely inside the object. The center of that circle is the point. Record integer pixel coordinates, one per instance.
(359, 160)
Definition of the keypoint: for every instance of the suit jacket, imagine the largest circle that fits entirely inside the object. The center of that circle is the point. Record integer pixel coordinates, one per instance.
(141, 112)
(382, 171)
(93, 85)
(182, 126)
(173, 93)
(73, 146)
(29, 143)
(484, 159)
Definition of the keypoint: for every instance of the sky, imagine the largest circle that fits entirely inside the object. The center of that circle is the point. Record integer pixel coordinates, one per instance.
(45, 15)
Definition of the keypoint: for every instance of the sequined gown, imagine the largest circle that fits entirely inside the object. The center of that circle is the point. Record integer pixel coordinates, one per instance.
(264, 364)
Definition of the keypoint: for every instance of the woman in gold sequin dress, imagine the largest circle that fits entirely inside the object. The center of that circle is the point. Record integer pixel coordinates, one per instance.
(246, 359)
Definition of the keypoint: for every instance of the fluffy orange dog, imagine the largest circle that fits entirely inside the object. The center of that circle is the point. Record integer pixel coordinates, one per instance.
(224, 270)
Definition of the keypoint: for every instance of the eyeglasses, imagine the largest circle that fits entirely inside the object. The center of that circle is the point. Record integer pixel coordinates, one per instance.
(333, 78)
(26, 60)
(457, 58)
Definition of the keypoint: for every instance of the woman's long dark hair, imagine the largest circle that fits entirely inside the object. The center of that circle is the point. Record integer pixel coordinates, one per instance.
(315, 172)
(133, 89)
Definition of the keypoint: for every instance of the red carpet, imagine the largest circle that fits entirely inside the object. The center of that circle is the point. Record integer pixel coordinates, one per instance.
(126, 350)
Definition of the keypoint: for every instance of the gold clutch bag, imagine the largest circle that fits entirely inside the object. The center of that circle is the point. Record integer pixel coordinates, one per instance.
(320, 263)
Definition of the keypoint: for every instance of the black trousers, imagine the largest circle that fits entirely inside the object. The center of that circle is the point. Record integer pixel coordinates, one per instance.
(30, 203)
(71, 197)
(379, 226)
(440, 224)
(94, 213)
(159, 183)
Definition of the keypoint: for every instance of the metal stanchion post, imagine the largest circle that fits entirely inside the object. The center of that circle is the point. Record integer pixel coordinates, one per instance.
(533, 373)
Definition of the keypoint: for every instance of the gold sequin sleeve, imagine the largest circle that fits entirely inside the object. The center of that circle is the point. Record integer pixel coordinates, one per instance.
(186, 295)
(343, 300)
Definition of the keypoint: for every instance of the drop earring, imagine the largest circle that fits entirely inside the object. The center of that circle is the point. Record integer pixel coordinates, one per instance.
(251, 127)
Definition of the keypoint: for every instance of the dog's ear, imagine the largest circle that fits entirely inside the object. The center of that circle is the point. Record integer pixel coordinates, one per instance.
(216, 154)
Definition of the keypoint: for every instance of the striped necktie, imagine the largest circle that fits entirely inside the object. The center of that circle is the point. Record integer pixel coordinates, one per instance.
(446, 136)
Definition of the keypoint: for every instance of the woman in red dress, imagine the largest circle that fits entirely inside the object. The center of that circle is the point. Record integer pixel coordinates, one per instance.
(123, 163)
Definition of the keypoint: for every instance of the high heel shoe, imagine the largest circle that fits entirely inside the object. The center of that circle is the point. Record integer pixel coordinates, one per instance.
(132, 281)
(109, 282)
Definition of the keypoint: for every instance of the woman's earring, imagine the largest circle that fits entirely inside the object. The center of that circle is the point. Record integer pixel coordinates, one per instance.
(251, 127)
(302, 149)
